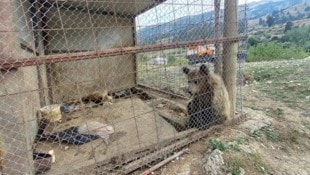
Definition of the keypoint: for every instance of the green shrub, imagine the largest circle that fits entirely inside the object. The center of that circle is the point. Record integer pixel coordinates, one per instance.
(253, 41)
(274, 51)
(299, 36)
(171, 59)
(256, 134)
(217, 144)
(271, 134)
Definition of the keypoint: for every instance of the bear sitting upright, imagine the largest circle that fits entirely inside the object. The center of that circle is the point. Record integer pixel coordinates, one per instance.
(210, 102)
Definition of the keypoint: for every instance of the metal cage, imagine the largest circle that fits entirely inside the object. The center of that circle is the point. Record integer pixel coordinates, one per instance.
(96, 86)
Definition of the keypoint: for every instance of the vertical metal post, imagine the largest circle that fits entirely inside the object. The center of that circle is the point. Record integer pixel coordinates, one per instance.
(230, 50)
(218, 64)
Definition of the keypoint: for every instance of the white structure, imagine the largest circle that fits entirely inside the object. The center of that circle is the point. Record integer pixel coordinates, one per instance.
(158, 61)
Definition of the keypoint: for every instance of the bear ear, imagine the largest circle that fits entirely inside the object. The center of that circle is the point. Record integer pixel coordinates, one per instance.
(204, 69)
(185, 70)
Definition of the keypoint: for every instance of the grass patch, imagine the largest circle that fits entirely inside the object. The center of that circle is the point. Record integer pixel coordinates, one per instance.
(293, 137)
(285, 81)
(250, 162)
(235, 145)
(270, 133)
(217, 144)
(276, 134)
(289, 136)
(274, 51)
(233, 165)
(277, 113)
(259, 165)
(256, 134)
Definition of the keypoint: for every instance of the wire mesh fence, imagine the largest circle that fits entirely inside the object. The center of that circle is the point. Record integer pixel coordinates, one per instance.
(100, 87)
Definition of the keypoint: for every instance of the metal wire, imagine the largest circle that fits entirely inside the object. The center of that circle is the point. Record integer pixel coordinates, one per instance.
(97, 87)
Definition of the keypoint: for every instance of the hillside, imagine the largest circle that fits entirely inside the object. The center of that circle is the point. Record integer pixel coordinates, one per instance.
(262, 8)
(201, 25)
(298, 12)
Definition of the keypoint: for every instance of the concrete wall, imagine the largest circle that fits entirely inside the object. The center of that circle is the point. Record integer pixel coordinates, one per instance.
(78, 31)
(19, 96)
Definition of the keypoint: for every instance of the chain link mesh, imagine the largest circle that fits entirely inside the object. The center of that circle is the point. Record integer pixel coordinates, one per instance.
(100, 87)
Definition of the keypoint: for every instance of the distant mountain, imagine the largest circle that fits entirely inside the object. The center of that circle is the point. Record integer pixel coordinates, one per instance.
(181, 29)
(202, 25)
(295, 12)
(262, 8)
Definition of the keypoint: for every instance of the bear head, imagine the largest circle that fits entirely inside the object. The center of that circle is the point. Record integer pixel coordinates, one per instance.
(198, 80)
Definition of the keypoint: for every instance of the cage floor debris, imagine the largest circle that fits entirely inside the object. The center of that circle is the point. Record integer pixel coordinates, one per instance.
(136, 126)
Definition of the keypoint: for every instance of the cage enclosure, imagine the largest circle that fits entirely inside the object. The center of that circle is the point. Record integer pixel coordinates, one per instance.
(99, 86)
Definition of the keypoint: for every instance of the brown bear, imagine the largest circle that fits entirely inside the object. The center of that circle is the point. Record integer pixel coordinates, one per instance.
(210, 102)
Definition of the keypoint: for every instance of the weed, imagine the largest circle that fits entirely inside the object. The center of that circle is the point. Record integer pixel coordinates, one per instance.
(237, 142)
(240, 140)
(217, 144)
(290, 136)
(278, 112)
(293, 137)
(234, 146)
(271, 133)
(256, 134)
(234, 164)
(259, 165)
(232, 170)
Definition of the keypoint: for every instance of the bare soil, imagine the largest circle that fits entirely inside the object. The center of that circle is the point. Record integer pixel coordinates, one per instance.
(136, 126)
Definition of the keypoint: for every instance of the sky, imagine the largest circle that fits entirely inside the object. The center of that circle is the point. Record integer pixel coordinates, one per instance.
(248, 1)
(173, 9)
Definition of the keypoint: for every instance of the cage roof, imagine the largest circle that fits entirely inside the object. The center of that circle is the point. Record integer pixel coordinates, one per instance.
(112, 7)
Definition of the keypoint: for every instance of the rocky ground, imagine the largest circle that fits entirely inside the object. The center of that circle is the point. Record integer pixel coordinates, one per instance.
(271, 139)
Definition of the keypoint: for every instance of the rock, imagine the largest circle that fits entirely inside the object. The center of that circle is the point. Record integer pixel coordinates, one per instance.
(242, 172)
(258, 120)
(52, 153)
(160, 105)
(51, 112)
(213, 164)
(247, 149)
(110, 98)
(187, 172)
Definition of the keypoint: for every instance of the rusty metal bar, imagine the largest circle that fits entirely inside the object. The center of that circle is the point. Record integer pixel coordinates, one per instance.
(164, 162)
(58, 58)
(168, 149)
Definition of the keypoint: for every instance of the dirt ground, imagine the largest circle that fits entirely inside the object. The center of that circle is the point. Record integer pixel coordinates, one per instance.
(135, 123)
(271, 139)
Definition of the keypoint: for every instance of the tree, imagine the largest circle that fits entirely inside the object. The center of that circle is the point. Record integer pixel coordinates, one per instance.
(299, 36)
(270, 21)
(261, 22)
(288, 26)
(252, 41)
